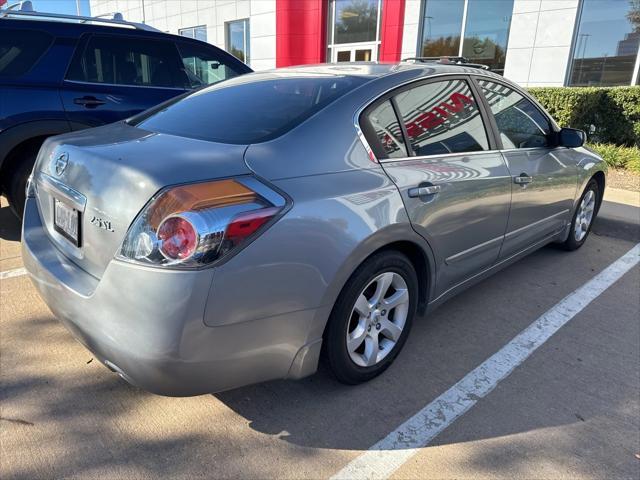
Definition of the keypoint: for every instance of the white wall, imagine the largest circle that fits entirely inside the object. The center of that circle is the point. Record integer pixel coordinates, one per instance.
(539, 48)
(411, 29)
(171, 15)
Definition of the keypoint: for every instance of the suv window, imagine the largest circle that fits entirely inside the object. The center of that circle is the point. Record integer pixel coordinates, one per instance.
(442, 117)
(126, 61)
(249, 109)
(204, 66)
(21, 49)
(385, 124)
(520, 123)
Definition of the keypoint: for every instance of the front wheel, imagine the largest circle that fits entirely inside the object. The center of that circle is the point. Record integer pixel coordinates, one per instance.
(583, 217)
(372, 317)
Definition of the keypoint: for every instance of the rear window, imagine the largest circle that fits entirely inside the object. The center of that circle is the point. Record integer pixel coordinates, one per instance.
(21, 49)
(249, 109)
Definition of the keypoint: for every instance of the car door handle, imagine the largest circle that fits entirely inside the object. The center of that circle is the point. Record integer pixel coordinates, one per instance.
(522, 179)
(89, 102)
(424, 191)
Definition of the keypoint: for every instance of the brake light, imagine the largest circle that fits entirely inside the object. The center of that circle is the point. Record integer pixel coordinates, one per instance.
(195, 225)
(178, 238)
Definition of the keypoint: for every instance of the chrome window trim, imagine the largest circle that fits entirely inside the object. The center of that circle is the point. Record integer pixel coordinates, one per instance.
(80, 82)
(440, 155)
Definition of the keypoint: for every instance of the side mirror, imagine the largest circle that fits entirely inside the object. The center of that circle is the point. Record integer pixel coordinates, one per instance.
(572, 137)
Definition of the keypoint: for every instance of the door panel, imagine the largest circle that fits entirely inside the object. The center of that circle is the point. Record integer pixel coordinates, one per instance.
(112, 77)
(464, 222)
(456, 192)
(542, 207)
(544, 176)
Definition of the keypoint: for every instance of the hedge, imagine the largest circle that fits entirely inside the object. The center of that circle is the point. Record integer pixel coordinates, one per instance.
(613, 111)
(618, 157)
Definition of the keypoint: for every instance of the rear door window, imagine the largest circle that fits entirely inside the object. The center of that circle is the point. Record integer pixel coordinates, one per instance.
(119, 60)
(442, 117)
(251, 108)
(205, 66)
(520, 123)
(21, 49)
(384, 123)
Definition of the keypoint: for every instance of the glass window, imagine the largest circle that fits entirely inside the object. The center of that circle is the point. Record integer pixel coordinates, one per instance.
(385, 124)
(442, 117)
(21, 49)
(249, 109)
(199, 33)
(354, 21)
(204, 66)
(487, 31)
(238, 39)
(441, 27)
(129, 61)
(520, 123)
(606, 46)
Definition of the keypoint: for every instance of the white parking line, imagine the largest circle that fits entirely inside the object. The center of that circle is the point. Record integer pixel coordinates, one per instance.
(390, 453)
(16, 272)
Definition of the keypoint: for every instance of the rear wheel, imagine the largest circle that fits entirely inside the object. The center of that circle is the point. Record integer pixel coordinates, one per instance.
(372, 317)
(583, 217)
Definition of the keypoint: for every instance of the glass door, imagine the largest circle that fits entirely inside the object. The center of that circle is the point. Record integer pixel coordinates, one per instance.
(361, 52)
(354, 30)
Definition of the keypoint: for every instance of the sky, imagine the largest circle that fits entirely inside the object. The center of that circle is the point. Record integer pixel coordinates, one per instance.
(57, 6)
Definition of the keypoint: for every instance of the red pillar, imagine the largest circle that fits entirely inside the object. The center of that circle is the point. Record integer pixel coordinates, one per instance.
(301, 27)
(391, 28)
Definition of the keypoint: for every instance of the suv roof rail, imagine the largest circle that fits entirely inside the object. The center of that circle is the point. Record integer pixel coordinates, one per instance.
(26, 11)
(447, 60)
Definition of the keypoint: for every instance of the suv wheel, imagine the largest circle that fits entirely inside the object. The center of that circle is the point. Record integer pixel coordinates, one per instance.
(17, 183)
(372, 317)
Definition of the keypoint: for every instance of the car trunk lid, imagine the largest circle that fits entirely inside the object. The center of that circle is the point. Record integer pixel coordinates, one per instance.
(108, 174)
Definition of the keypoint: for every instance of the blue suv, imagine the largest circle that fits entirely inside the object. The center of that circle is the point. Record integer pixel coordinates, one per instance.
(63, 73)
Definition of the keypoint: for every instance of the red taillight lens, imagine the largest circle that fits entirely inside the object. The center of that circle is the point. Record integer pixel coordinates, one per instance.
(245, 224)
(179, 238)
(192, 225)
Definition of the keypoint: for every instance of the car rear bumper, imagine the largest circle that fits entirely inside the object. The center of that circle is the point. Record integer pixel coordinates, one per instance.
(148, 325)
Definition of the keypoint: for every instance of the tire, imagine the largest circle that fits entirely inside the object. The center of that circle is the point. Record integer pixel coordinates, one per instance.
(584, 216)
(363, 320)
(17, 183)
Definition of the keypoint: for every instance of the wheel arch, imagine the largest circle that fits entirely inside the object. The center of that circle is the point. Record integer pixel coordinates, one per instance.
(25, 136)
(400, 237)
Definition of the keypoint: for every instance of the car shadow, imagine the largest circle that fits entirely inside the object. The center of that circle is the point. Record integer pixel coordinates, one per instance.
(319, 412)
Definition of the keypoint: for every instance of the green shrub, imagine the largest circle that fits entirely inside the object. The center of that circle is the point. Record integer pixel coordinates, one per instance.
(613, 111)
(617, 156)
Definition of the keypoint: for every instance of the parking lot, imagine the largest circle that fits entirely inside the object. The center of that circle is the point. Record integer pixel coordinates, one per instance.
(571, 409)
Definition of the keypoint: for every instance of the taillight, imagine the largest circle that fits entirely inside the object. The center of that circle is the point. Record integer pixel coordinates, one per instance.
(197, 224)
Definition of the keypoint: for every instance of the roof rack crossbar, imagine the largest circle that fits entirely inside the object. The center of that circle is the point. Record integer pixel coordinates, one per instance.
(447, 60)
(116, 20)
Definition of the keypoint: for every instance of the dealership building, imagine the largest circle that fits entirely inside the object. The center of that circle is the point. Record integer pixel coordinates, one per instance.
(533, 42)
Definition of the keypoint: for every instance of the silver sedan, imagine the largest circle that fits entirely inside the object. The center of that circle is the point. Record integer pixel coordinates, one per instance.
(242, 232)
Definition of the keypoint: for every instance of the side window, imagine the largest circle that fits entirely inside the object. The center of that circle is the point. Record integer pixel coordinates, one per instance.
(384, 123)
(204, 66)
(442, 117)
(520, 123)
(21, 49)
(125, 61)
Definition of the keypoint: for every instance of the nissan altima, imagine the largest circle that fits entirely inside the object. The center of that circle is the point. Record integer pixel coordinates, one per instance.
(248, 230)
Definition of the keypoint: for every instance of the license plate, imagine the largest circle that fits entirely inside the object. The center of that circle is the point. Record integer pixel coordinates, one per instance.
(66, 221)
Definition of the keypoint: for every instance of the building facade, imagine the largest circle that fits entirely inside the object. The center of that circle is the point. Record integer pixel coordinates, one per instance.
(533, 42)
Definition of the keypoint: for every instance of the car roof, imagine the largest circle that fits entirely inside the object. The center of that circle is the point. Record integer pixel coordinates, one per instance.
(74, 29)
(382, 69)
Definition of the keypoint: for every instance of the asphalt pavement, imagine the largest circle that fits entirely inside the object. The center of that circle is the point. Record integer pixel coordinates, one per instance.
(569, 409)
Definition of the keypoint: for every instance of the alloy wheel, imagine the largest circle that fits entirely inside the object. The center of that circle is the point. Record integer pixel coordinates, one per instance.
(584, 215)
(377, 319)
